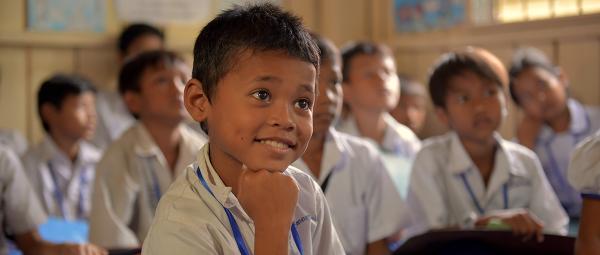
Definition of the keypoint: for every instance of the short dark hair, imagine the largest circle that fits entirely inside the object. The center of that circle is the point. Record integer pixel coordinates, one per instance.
(524, 59)
(57, 88)
(410, 86)
(457, 63)
(354, 49)
(327, 50)
(135, 31)
(260, 27)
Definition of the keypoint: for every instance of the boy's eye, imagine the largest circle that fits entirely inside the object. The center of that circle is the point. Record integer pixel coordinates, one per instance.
(490, 93)
(262, 95)
(304, 104)
(461, 99)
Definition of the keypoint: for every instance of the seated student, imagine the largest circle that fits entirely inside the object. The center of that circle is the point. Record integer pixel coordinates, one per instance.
(21, 213)
(350, 170)
(139, 166)
(62, 167)
(370, 86)
(584, 175)
(113, 116)
(411, 109)
(14, 140)
(553, 123)
(472, 177)
(253, 87)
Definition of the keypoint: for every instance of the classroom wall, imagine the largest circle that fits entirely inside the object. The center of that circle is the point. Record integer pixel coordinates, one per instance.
(27, 58)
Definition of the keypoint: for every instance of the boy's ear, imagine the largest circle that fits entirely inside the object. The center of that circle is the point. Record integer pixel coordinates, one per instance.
(48, 112)
(196, 101)
(132, 101)
(442, 115)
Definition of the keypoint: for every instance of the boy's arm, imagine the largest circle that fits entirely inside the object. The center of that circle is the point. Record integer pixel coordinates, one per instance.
(588, 239)
(32, 244)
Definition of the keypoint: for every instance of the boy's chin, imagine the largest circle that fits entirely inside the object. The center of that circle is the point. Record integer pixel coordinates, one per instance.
(274, 167)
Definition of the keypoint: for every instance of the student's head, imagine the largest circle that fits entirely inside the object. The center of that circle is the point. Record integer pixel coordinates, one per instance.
(536, 85)
(411, 109)
(466, 88)
(139, 37)
(152, 84)
(328, 104)
(66, 107)
(253, 86)
(369, 77)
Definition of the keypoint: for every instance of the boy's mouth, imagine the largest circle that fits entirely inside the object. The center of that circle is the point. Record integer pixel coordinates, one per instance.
(279, 143)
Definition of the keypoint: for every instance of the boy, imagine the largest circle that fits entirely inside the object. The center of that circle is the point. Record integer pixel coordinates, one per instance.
(350, 171)
(138, 167)
(21, 213)
(370, 85)
(113, 116)
(471, 177)
(553, 123)
(253, 86)
(411, 109)
(584, 175)
(62, 167)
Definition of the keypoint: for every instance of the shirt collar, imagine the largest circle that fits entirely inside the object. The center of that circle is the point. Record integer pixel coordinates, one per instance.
(334, 157)
(580, 122)
(87, 154)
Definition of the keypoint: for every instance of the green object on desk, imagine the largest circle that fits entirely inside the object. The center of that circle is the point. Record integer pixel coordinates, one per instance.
(497, 224)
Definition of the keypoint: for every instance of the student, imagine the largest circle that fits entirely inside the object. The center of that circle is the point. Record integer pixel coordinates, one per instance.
(21, 213)
(370, 86)
(411, 109)
(349, 170)
(113, 116)
(61, 168)
(139, 166)
(553, 122)
(253, 88)
(472, 177)
(584, 175)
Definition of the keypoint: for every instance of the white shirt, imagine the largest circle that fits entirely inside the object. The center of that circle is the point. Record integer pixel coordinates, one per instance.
(131, 177)
(64, 187)
(113, 118)
(364, 202)
(398, 148)
(20, 210)
(189, 220)
(14, 140)
(447, 190)
(584, 169)
(554, 151)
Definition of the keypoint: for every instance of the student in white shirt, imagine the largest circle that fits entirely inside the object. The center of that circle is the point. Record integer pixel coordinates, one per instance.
(471, 177)
(411, 109)
(365, 205)
(371, 90)
(21, 213)
(584, 175)
(553, 123)
(113, 117)
(61, 168)
(138, 168)
(253, 87)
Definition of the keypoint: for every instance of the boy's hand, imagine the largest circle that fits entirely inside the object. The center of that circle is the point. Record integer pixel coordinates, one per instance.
(520, 221)
(527, 131)
(269, 198)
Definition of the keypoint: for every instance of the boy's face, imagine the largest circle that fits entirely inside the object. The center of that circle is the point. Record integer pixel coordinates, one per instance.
(260, 113)
(541, 94)
(411, 111)
(160, 96)
(329, 101)
(373, 84)
(76, 117)
(473, 107)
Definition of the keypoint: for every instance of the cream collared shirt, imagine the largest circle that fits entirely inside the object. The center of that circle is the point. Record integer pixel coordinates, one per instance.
(444, 177)
(189, 220)
(584, 169)
(364, 202)
(131, 177)
(64, 187)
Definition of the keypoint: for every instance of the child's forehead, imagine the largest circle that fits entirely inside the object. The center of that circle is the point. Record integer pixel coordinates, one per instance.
(252, 62)
(468, 78)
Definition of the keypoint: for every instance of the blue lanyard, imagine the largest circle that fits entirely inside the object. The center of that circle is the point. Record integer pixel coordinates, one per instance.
(58, 196)
(474, 198)
(237, 234)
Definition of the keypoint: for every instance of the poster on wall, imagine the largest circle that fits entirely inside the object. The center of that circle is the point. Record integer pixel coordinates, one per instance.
(164, 11)
(66, 15)
(427, 15)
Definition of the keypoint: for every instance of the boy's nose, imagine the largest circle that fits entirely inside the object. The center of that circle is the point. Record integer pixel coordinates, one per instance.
(282, 117)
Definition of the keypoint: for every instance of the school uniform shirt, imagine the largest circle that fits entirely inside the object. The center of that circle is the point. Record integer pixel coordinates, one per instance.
(447, 189)
(584, 169)
(364, 202)
(14, 140)
(190, 220)
(113, 118)
(64, 187)
(398, 148)
(554, 151)
(20, 210)
(132, 175)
